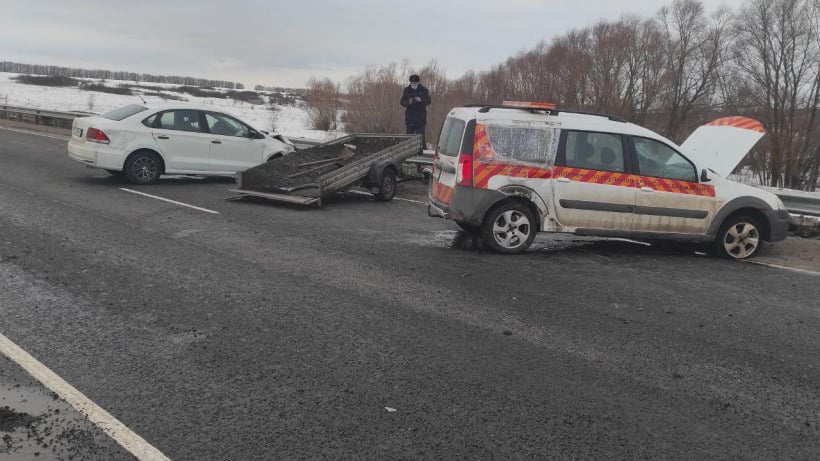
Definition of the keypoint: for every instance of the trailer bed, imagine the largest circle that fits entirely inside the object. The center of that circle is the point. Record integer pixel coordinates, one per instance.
(307, 176)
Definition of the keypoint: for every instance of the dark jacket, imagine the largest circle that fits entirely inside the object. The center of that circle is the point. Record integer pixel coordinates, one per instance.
(416, 112)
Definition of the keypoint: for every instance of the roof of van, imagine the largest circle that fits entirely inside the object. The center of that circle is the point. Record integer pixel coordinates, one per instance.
(567, 120)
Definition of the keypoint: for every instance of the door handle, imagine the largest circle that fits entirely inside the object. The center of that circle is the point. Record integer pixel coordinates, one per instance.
(563, 179)
(162, 136)
(216, 141)
(647, 189)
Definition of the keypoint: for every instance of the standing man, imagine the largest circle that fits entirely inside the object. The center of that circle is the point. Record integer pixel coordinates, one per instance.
(415, 98)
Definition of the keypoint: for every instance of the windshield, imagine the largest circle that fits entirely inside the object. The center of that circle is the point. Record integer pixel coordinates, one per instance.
(124, 112)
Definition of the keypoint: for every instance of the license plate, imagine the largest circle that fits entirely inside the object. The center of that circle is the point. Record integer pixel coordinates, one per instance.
(78, 132)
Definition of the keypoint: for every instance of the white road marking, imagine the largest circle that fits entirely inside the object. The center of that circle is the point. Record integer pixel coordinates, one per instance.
(394, 198)
(35, 133)
(777, 266)
(118, 431)
(169, 201)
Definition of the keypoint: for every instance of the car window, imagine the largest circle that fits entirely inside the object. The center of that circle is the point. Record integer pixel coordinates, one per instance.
(149, 122)
(661, 161)
(180, 120)
(123, 113)
(594, 151)
(223, 125)
(526, 143)
(449, 143)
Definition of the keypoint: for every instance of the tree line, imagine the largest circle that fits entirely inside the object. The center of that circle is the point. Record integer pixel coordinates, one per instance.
(57, 71)
(671, 72)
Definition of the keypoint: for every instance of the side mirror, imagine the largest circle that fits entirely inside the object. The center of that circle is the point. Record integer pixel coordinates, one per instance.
(704, 175)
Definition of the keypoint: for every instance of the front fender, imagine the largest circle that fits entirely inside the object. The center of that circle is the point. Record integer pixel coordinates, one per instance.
(738, 204)
(374, 176)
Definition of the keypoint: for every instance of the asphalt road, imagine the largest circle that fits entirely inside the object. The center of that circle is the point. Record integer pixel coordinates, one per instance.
(366, 330)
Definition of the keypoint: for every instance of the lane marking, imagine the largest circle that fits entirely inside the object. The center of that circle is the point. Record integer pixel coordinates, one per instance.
(777, 266)
(169, 201)
(118, 431)
(394, 198)
(35, 133)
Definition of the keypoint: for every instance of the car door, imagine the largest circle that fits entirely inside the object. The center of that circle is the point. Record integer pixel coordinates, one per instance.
(232, 147)
(592, 187)
(181, 140)
(670, 197)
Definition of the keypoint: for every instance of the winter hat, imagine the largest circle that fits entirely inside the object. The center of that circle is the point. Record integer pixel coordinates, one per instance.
(414, 78)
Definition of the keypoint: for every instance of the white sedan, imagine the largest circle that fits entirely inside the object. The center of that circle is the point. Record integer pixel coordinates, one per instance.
(144, 142)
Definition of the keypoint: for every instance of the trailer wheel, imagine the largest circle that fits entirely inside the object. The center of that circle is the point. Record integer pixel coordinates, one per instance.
(387, 186)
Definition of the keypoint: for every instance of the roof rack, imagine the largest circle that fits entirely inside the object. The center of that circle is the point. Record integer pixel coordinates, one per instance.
(487, 107)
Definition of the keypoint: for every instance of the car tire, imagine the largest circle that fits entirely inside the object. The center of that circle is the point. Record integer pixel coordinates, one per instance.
(509, 228)
(738, 238)
(387, 186)
(143, 167)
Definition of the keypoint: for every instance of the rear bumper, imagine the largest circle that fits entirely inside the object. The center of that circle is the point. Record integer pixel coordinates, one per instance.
(779, 221)
(95, 155)
(468, 205)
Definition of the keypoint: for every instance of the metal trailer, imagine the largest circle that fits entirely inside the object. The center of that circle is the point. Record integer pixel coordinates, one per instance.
(292, 178)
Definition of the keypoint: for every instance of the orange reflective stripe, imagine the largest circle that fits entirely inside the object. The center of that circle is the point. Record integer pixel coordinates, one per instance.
(627, 180)
(442, 193)
(482, 148)
(739, 122)
(529, 105)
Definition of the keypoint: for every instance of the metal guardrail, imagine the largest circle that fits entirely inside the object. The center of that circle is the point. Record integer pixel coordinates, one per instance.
(40, 116)
(798, 202)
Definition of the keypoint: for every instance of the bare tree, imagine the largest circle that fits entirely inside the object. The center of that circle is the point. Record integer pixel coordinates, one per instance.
(322, 98)
(777, 49)
(373, 101)
(694, 49)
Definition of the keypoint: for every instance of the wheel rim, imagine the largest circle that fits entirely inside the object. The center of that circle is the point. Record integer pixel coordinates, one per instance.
(741, 240)
(511, 229)
(387, 185)
(145, 169)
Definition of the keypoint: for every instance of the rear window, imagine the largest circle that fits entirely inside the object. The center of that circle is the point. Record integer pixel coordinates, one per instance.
(123, 112)
(452, 131)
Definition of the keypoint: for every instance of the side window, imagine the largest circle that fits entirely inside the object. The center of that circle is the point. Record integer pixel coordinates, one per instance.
(594, 151)
(449, 142)
(180, 120)
(223, 125)
(149, 122)
(661, 161)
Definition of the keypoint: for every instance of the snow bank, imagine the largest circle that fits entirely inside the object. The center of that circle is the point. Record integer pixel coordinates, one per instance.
(292, 121)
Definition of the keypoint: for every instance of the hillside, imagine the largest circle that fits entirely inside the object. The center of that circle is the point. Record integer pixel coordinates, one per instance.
(290, 120)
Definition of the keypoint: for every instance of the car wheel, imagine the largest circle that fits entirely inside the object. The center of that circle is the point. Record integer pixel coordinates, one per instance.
(143, 167)
(738, 238)
(509, 228)
(387, 187)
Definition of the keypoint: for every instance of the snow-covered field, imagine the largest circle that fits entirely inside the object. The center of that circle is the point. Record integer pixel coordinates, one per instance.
(291, 121)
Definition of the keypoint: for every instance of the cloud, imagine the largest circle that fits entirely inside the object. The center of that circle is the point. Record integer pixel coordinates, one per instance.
(286, 42)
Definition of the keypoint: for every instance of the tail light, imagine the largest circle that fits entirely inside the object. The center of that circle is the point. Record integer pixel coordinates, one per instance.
(464, 172)
(95, 135)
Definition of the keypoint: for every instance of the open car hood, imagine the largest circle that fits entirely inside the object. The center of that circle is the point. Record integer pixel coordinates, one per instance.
(721, 145)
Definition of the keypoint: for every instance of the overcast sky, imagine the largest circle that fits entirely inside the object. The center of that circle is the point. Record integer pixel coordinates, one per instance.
(286, 42)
